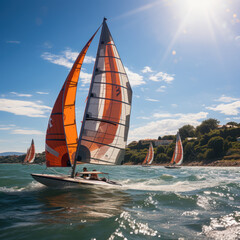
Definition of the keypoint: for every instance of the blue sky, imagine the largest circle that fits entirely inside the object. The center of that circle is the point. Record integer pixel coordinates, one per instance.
(182, 58)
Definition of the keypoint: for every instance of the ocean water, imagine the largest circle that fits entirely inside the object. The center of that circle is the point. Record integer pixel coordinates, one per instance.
(152, 203)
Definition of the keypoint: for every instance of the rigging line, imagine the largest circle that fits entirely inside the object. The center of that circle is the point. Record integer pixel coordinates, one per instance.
(57, 113)
(112, 84)
(100, 160)
(109, 57)
(104, 120)
(83, 139)
(110, 99)
(101, 72)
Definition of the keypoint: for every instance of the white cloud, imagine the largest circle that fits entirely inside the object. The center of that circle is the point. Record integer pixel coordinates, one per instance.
(66, 58)
(89, 59)
(57, 59)
(162, 77)
(166, 126)
(146, 70)
(161, 89)
(27, 132)
(226, 99)
(144, 118)
(4, 128)
(151, 100)
(83, 89)
(134, 78)
(14, 42)
(85, 78)
(21, 94)
(42, 93)
(228, 108)
(174, 105)
(24, 108)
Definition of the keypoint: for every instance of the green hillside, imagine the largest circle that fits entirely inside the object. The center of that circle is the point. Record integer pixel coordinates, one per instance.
(204, 144)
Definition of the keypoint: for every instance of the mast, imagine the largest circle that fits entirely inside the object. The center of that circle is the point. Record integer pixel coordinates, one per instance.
(84, 116)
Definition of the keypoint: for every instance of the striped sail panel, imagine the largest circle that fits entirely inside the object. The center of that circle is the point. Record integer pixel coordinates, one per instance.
(151, 154)
(61, 137)
(56, 147)
(147, 157)
(106, 120)
(32, 153)
(27, 156)
(177, 157)
(30, 156)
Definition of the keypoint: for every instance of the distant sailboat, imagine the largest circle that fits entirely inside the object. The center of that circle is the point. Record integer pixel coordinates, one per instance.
(177, 157)
(30, 156)
(104, 130)
(149, 157)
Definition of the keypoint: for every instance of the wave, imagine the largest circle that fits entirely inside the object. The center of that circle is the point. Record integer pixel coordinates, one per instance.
(127, 224)
(30, 187)
(225, 227)
(161, 185)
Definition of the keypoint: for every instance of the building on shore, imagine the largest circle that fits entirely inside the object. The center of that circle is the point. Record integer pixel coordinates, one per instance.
(156, 142)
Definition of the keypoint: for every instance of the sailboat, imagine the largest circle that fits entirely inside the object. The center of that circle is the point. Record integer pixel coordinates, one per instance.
(30, 156)
(149, 157)
(177, 157)
(105, 124)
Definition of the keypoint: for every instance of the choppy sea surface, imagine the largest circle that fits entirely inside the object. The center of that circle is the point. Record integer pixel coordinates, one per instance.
(152, 203)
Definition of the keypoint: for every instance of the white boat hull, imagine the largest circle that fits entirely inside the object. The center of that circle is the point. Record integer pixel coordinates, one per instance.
(58, 181)
(172, 167)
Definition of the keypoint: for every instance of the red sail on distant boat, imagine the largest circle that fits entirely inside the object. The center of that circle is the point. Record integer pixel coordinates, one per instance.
(177, 157)
(105, 125)
(30, 156)
(149, 157)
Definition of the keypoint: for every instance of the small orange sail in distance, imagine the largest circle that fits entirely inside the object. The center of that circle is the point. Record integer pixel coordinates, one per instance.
(30, 156)
(150, 156)
(177, 157)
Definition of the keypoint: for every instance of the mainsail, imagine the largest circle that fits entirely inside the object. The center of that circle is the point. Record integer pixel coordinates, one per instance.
(150, 155)
(106, 119)
(30, 156)
(177, 157)
(62, 137)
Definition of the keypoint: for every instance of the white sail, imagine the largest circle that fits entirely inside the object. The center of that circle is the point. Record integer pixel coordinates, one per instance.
(105, 124)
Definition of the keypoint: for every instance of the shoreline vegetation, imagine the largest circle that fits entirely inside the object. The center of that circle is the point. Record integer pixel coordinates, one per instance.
(209, 144)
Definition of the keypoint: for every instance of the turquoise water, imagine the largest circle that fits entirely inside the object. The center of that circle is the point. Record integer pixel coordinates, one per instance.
(152, 203)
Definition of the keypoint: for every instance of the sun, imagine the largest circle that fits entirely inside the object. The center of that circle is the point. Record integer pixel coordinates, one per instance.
(198, 7)
(201, 5)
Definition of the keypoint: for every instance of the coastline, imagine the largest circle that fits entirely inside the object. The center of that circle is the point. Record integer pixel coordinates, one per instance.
(216, 163)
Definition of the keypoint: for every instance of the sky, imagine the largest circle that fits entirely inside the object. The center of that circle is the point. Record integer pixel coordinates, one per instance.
(182, 58)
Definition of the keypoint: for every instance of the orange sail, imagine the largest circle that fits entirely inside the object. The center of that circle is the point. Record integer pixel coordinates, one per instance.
(30, 156)
(177, 157)
(62, 137)
(105, 125)
(150, 155)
